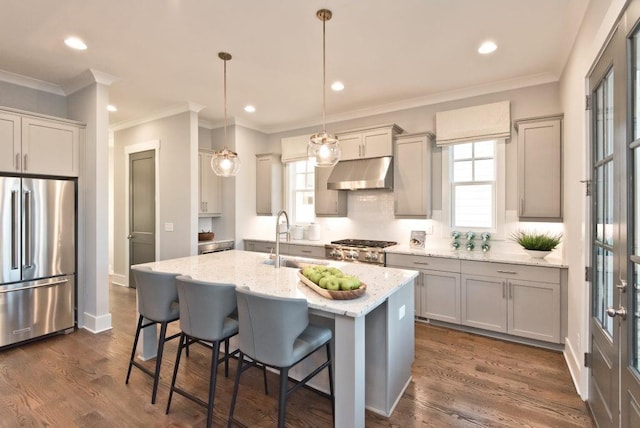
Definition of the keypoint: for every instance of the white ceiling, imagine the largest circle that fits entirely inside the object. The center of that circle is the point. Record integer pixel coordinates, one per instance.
(389, 54)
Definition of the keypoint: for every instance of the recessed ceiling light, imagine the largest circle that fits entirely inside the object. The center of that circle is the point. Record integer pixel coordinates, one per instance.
(250, 109)
(75, 43)
(487, 48)
(337, 86)
(112, 108)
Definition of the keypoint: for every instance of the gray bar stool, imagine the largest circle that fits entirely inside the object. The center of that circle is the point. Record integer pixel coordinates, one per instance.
(275, 332)
(207, 316)
(158, 304)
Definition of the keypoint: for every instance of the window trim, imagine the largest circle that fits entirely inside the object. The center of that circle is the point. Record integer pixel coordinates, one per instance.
(498, 232)
(290, 192)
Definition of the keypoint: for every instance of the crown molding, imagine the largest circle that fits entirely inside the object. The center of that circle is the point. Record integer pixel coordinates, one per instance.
(30, 82)
(172, 111)
(86, 78)
(440, 97)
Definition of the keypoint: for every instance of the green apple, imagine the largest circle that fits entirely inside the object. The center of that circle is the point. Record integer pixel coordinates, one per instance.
(315, 277)
(335, 272)
(320, 268)
(324, 280)
(307, 271)
(355, 282)
(346, 283)
(333, 284)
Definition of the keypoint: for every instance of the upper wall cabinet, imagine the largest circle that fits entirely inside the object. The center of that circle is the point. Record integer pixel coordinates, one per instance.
(268, 184)
(328, 203)
(210, 187)
(412, 175)
(36, 145)
(368, 143)
(540, 168)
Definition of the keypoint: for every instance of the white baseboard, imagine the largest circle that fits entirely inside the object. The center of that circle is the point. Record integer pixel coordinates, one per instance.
(97, 324)
(574, 363)
(119, 280)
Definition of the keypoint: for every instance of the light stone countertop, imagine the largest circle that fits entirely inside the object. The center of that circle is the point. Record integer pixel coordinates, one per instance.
(515, 258)
(291, 241)
(245, 268)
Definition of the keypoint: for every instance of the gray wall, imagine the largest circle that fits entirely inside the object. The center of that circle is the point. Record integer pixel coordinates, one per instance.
(32, 100)
(175, 185)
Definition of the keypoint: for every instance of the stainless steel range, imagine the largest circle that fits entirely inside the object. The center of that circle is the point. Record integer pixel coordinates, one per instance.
(357, 250)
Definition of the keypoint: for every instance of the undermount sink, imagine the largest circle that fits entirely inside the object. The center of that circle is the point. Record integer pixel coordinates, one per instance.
(294, 262)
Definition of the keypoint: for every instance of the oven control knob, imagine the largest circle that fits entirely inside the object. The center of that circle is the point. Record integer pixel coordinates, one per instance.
(371, 257)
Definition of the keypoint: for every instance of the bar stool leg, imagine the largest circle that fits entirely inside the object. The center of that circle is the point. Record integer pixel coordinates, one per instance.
(183, 340)
(212, 381)
(135, 344)
(156, 377)
(235, 389)
(333, 398)
(282, 401)
(226, 357)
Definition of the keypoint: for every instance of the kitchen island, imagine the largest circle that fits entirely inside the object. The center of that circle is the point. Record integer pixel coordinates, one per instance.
(373, 335)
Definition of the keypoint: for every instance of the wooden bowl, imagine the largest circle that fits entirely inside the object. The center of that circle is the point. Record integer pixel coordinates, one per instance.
(330, 294)
(205, 236)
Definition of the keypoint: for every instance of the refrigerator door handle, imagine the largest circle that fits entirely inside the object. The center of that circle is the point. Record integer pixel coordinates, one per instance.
(15, 232)
(29, 287)
(28, 258)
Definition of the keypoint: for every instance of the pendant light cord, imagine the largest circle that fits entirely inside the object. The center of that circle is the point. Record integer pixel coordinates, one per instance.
(324, 75)
(225, 101)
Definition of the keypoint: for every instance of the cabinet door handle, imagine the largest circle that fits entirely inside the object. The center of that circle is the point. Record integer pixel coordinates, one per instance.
(521, 205)
(17, 161)
(509, 272)
(504, 289)
(510, 291)
(25, 161)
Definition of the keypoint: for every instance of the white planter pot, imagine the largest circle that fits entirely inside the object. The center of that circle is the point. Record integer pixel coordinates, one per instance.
(537, 254)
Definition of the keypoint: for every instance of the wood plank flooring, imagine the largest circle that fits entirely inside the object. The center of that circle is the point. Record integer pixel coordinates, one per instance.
(459, 380)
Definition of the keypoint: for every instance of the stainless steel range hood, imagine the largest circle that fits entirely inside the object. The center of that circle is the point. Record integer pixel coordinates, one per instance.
(359, 174)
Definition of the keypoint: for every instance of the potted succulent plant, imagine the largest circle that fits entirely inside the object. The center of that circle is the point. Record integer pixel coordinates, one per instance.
(537, 244)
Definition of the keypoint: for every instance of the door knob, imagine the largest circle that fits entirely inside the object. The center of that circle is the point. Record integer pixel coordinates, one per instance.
(130, 236)
(621, 312)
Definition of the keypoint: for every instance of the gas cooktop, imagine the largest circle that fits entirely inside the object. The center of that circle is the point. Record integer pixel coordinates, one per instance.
(363, 243)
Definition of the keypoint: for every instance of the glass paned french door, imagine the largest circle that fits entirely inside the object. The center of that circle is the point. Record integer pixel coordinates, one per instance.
(603, 174)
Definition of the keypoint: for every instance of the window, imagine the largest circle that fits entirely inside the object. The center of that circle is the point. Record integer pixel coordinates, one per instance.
(300, 191)
(473, 185)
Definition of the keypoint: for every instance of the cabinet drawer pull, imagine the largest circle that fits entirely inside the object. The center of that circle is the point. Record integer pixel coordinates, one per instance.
(306, 251)
(510, 272)
(421, 263)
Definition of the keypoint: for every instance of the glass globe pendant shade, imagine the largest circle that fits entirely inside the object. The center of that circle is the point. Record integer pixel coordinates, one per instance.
(324, 149)
(225, 163)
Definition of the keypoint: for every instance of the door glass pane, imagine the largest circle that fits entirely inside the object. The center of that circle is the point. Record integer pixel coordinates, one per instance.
(603, 288)
(608, 114)
(608, 203)
(599, 119)
(636, 86)
(599, 209)
(635, 320)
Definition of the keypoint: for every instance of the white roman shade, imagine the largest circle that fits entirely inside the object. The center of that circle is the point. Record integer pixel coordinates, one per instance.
(294, 148)
(483, 122)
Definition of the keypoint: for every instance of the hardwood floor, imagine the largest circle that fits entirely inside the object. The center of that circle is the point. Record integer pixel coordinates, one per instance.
(459, 380)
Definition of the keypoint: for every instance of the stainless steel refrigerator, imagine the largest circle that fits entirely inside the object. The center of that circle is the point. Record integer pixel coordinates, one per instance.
(37, 257)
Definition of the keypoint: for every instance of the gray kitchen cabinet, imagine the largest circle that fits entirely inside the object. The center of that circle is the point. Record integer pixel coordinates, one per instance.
(328, 203)
(540, 169)
(437, 291)
(301, 250)
(262, 246)
(35, 145)
(268, 184)
(412, 175)
(210, 187)
(519, 300)
(368, 143)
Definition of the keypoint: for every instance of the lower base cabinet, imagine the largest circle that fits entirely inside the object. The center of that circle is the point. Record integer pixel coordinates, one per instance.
(522, 308)
(440, 296)
(519, 300)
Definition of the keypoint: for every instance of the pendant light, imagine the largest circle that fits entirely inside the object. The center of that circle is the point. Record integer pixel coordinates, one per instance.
(324, 147)
(225, 163)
